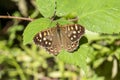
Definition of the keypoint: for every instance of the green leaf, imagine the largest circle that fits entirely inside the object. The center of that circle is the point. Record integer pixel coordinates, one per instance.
(100, 16)
(60, 21)
(2, 58)
(66, 7)
(46, 7)
(78, 57)
(95, 77)
(33, 28)
(95, 15)
(63, 21)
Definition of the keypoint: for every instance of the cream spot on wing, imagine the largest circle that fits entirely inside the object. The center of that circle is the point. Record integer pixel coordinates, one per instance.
(68, 28)
(50, 39)
(45, 33)
(49, 43)
(73, 46)
(74, 32)
(40, 35)
(74, 36)
(46, 42)
(80, 28)
(69, 35)
(37, 38)
(78, 31)
(40, 40)
(55, 51)
(44, 38)
(71, 27)
(71, 38)
(51, 50)
(76, 27)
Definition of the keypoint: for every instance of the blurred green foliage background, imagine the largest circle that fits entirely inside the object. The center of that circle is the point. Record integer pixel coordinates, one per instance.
(28, 62)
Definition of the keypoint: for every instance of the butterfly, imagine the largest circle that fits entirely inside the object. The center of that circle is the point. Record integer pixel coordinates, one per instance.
(60, 37)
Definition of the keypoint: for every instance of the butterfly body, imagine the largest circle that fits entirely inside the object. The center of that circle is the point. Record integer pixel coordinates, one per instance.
(56, 38)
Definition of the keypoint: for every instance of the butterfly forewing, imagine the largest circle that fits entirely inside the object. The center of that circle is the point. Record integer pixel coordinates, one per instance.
(49, 40)
(43, 38)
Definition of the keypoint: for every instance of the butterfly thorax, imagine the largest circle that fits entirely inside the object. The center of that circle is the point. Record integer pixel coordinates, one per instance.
(58, 32)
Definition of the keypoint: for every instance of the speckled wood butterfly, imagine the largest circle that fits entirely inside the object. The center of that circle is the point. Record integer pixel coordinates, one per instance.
(56, 38)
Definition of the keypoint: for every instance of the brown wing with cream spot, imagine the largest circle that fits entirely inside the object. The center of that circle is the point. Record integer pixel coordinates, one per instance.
(49, 40)
(71, 35)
